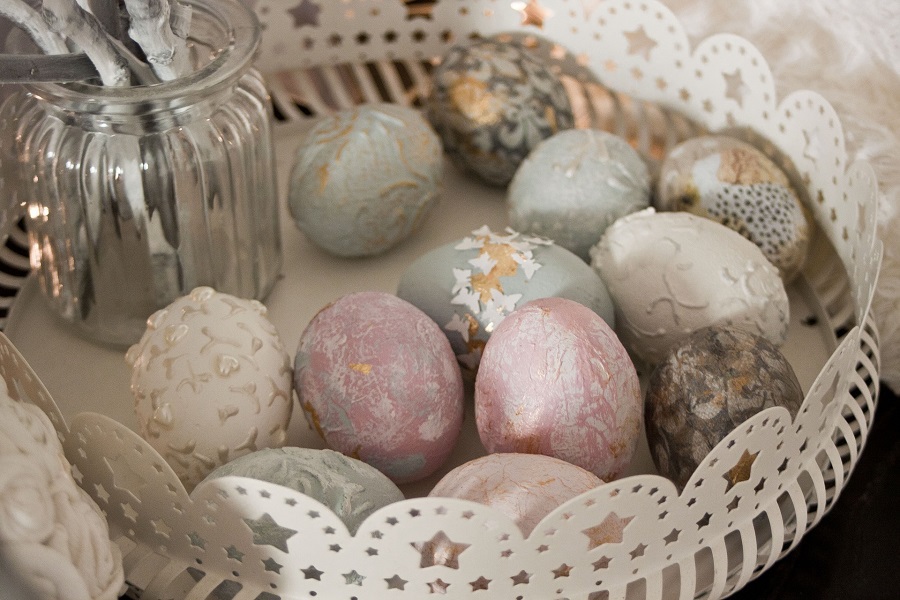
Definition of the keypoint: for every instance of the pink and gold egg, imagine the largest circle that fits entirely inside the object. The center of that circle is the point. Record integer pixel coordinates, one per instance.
(555, 380)
(378, 380)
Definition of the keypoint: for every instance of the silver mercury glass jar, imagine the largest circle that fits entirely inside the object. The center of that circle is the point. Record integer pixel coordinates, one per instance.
(135, 195)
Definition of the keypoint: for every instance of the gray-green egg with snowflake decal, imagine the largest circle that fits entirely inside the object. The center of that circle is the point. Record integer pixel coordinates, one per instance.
(734, 183)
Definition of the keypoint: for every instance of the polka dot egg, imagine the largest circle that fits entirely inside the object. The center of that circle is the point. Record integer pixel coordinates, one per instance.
(730, 181)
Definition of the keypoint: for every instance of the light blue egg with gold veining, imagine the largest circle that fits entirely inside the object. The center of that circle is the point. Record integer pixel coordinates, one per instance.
(574, 185)
(364, 179)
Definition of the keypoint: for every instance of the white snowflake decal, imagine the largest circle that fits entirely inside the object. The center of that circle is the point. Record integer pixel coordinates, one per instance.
(481, 293)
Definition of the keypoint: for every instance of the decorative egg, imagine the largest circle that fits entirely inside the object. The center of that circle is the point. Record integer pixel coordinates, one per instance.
(365, 179)
(708, 385)
(468, 287)
(211, 381)
(574, 185)
(730, 181)
(672, 273)
(378, 380)
(524, 487)
(555, 380)
(492, 102)
(349, 487)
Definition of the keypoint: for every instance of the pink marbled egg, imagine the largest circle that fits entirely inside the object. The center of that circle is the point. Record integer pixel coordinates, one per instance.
(555, 380)
(378, 380)
(524, 487)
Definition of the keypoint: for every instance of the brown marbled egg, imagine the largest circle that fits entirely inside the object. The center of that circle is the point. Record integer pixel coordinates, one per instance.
(708, 385)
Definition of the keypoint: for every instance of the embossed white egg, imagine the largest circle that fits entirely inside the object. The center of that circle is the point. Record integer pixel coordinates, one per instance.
(672, 273)
(211, 381)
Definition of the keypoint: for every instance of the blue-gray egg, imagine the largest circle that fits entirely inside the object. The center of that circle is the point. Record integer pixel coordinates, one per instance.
(364, 179)
(492, 102)
(707, 385)
(349, 487)
(469, 286)
(732, 182)
(574, 185)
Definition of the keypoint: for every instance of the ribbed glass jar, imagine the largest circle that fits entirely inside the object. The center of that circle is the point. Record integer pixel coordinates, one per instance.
(135, 195)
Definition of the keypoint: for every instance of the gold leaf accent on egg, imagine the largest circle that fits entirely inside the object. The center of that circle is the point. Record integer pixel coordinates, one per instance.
(471, 98)
(323, 178)
(745, 167)
(503, 254)
(364, 368)
(312, 417)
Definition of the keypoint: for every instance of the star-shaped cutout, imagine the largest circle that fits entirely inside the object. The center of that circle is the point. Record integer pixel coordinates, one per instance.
(124, 477)
(266, 532)
(532, 13)
(673, 536)
(129, 513)
(271, 565)
(734, 503)
(601, 563)
(704, 521)
(196, 540)
(305, 13)
(160, 527)
(562, 570)
(438, 586)
(311, 572)
(371, 551)
(811, 147)
(638, 551)
(609, 531)
(735, 87)
(353, 578)
(234, 554)
(440, 550)
(740, 471)
(640, 43)
(521, 578)
(759, 486)
(101, 492)
(480, 584)
(396, 583)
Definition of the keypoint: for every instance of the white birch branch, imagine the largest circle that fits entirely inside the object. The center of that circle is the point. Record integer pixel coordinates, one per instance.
(67, 18)
(30, 20)
(151, 28)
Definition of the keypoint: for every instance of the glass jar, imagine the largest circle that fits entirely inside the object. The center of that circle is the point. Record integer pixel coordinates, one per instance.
(135, 195)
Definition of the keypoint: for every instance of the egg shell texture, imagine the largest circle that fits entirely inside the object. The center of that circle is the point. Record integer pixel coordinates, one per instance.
(672, 273)
(555, 380)
(377, 379)
(524, 487)
(732, 182)
(211, 381)
(492, 102)
(469, 286)
(365, 178)
(574, 185)
(709, 384)
(349, 487)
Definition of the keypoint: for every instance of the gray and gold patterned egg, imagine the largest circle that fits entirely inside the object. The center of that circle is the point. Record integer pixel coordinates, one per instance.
(707, 386)
(732, 182)
(492, 103)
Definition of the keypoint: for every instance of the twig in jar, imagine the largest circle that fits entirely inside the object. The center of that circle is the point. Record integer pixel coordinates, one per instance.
(67, 18)
(56, 68)
(151, 28)
(30, 20)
